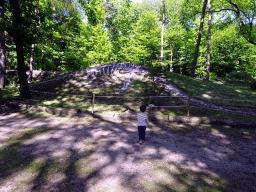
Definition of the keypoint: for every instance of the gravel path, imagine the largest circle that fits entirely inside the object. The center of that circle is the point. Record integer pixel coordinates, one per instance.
(104, 155)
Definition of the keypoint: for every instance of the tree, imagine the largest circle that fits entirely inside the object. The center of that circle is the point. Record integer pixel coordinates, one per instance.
(60, 41)
(147, 37)
(31, 62)
(123, 22)
(198, 40)
(175, 32)
(162, 35)
(209, 42)
(17, 33)
(2, 48)
(245, 11)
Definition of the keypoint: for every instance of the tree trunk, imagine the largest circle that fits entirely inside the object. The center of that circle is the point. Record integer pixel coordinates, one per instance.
(171, 59)
(30, 76)
(7, 54)
(17, 36)
(2, 50)
(31, 63)
(201, 66)
(192, 74)
(162, 35)
(209, 42)
(9, 58)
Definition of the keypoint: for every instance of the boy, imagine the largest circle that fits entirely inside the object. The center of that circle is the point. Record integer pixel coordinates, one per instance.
(142, 123)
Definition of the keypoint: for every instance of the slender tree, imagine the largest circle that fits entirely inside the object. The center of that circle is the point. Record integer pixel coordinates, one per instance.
(17, 35)
(162, 35)
(192, 74)
(2, 48)
(209, 42)
(171, 55)
(31, 62)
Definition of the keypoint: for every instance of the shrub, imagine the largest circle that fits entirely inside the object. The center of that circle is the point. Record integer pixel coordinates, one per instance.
(12, 79)
(240, 76)
(253, 85)
(213, 75)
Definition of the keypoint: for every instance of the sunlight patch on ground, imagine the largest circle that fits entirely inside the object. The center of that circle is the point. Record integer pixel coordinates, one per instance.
(215, 132)
(50, 102)
(112, 184)
(60, 153)
(207, 96)
(84, 167)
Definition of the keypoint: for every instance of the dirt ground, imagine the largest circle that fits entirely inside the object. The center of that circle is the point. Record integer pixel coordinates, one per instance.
(43, 153)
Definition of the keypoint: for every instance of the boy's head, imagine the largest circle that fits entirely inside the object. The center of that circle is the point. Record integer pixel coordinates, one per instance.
(143, 108)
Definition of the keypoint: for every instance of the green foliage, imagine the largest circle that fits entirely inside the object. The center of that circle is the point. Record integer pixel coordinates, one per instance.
(240, 76)
(212, 75)
(12, 80)
(121, 31)
(253, 85)
(147, 35)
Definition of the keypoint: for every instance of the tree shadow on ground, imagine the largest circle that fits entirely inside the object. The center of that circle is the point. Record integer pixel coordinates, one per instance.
(105, 156)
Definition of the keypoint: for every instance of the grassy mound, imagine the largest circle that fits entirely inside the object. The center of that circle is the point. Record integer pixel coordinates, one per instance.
(219, 92)
(77, 92)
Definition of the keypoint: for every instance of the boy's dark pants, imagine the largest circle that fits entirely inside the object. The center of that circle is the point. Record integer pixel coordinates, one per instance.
(141, 130)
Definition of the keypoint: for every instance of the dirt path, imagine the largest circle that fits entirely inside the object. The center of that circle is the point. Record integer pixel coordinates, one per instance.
(68, 154)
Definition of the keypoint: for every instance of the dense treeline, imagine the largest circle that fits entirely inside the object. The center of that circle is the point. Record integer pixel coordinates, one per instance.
(68, 35)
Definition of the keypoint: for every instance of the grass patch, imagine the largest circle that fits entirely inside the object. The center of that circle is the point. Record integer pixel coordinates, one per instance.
(10, 92)
(210, 90)
(49, 78)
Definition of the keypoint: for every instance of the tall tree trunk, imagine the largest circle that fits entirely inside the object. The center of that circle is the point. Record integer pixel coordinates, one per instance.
(171, 59)
(31, 63)
(8, 55)
(2, 50)
(209, 42)
(17, 35)
(201, 65)
(162, 35)
(192, 74)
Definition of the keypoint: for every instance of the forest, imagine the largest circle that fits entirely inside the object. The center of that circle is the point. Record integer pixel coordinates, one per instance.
(197, 38)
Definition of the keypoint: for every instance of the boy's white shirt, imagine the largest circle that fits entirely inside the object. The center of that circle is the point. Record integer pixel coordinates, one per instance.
(142, 119)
